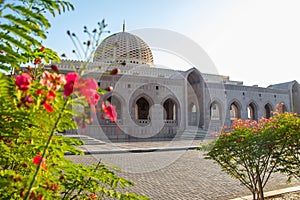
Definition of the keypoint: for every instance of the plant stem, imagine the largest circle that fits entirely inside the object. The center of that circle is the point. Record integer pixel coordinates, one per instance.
(45, 150)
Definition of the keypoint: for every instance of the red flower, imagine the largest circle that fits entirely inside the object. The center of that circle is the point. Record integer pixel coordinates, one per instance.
(110, 111)
(37, 61)
(23, 81)
(37, 159)
(39, 92)
(68, 88)
(50, 95)
(92, 196)
(48, 107)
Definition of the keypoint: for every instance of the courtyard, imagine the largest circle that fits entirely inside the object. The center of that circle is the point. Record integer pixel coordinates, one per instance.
(161, 170)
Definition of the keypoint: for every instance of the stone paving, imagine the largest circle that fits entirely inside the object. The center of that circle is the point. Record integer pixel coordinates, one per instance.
(169, 171)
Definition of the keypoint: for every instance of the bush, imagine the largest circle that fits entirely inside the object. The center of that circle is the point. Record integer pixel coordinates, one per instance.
(251, 151)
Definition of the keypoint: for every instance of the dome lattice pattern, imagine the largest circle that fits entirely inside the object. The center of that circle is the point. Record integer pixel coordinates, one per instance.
(123, 47)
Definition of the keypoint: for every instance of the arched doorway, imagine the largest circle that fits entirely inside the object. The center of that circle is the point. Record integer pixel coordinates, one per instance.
(234, 111)
(215, 111)
(267, 111)
(195, 98)
(142, 107)
(252, 111)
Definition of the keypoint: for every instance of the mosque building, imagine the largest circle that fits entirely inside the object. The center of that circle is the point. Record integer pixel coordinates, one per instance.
(159, 103)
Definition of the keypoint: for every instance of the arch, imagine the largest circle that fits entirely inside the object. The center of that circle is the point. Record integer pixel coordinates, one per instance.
(142, 108)
(267, 111)
(252, 111)
(195, 98)
(171, 109)
(235, 111)
(215, 111)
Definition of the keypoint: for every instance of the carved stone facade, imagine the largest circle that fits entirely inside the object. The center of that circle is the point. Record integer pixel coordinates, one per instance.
(160, 103)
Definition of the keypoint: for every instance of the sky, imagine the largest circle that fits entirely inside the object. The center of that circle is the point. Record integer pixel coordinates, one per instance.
(254, 41)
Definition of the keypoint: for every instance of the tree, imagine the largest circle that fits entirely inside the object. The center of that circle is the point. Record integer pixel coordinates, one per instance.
(23, 27)
(251, 151)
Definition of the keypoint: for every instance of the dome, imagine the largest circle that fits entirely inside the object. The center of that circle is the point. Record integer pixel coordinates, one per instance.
(122, 48)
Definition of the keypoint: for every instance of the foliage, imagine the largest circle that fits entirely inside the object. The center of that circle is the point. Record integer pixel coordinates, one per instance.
(251, 151)
(35, 105)
(288, 125)
(32, 162)
(23, 26)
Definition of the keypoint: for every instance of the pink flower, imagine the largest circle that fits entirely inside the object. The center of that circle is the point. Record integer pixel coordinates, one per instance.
(52, 81)
(23, 81)
(68, 88)
(93, 99)
(89, 87)
(110, 111)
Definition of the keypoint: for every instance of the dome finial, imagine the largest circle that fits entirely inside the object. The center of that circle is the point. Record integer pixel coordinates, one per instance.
(124, 25)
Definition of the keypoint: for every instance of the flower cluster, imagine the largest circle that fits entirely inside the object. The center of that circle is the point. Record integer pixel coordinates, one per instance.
(85, 87)
(51, 83)
(23, 81)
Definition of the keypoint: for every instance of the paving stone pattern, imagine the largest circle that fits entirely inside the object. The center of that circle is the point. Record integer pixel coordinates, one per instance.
(183, 174)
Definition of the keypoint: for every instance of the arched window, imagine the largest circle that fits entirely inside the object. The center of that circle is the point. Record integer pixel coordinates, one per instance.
(193, 108)
(170, 110)
(281, 108)
(142, 109)
(192, 115)
(267, 111)
(234, 111)
(251, 111)
(215, 111)
(115, 102)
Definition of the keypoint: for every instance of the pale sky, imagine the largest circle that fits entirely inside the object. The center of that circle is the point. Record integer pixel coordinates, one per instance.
(254, 41)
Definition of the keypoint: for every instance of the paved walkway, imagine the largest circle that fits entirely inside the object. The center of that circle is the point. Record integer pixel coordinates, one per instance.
(170, 170)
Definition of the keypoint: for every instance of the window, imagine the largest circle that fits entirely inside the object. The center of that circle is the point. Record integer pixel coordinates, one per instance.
(170, 108)
(251, 111)
(192, 117)
(142, 109)
(234, 111)
(267, 111)
(215, 111)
